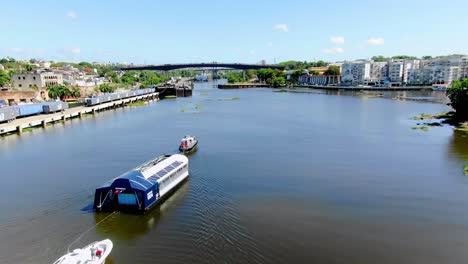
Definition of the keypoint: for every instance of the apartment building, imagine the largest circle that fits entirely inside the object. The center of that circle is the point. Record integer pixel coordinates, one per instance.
(378, 73)
(433, 75)
(356, 72)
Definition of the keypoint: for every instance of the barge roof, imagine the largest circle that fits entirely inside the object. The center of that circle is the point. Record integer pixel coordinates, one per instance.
(147, 175)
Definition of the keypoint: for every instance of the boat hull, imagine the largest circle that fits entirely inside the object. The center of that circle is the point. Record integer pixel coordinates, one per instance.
(85, 255)
(185, 150)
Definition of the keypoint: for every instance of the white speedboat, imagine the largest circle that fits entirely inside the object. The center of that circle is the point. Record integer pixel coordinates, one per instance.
(188, 143)
(95, 253)
(439, 88)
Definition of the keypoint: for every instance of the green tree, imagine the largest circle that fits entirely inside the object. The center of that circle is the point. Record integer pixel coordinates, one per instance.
(130, 77)
(85, 65)
(267, 75)
(4, 78)
(320, 64)
(28, 67)
(404, 57)
(75, 92)
(251, 74)
(12, 72)
(105, 88)
(427, 57)
(458, 94)
(314, 72)
(379, 58)
(295, 75)
(234, 77)
(333, 70)
(151, 78)
(278, 81)
(58, 91)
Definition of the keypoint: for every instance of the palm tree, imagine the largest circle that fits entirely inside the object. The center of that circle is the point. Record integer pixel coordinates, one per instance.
(75, 92)
(54, 91)
(58, 91)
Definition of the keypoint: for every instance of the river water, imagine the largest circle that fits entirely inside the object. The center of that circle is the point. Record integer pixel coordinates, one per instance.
(307, 177)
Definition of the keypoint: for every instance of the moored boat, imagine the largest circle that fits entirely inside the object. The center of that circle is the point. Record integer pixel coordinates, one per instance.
(144, 186)
(94, 253)
(188, 143)
(439, 87)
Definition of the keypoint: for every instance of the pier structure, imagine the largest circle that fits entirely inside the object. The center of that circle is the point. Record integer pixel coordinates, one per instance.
(17, 126)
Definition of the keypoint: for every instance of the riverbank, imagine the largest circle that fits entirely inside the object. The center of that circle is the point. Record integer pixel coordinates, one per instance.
(18, 126)
(366, 88)
(242, 85)
(437, 120)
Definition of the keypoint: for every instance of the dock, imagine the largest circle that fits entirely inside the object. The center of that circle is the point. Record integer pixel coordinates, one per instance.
(17, 126)
(366, 88)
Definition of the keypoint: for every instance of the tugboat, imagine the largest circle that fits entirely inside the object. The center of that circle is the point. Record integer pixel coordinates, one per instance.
(188, 143)
(95, 253)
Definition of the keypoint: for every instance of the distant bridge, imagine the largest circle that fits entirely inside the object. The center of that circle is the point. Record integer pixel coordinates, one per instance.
(214, 65)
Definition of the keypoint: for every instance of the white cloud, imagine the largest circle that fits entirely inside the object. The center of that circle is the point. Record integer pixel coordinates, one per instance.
(26, 51)
(337, 40)
(270, 44)
(375, 41)
(282, 27)
(73, 50)
(15, 50)
(334, 51)
(72, 14)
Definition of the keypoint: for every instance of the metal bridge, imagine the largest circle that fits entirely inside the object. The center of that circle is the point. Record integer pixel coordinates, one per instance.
(211, 66)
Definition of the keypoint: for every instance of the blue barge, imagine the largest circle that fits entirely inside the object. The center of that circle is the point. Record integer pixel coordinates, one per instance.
(143, 187)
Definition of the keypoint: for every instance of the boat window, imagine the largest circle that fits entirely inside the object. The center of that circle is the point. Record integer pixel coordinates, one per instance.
(127, 199)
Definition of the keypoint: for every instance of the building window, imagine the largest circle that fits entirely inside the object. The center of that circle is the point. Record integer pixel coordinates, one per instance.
(20, 85)
(24, 78)
(19, 78)
(34, 78)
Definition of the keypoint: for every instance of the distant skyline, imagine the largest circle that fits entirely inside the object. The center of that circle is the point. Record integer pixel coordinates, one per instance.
(156, 32)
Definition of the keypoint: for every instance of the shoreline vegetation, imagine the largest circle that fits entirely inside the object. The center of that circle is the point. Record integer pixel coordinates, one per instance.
(440, 119)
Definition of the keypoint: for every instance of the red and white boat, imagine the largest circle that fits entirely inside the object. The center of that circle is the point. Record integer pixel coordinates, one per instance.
(188, 143)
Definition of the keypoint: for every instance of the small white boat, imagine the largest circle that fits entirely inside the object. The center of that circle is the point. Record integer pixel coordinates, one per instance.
(95, 253)
(188, 143)
(439, 88)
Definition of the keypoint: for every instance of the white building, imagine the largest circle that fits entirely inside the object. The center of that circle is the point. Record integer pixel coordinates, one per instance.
(356, 72)
(433, 75)
(395, 71)
(459, 61)
(378, 73)
(398, 70)
(2, 67)
(36, 80)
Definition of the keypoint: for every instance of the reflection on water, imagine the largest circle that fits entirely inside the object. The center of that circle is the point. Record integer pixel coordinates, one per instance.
(306, 232)
(122, 226)
(277, 178)
(420, 96)
(459, 144)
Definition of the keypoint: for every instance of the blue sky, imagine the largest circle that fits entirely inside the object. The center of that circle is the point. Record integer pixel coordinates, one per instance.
(179, 31)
